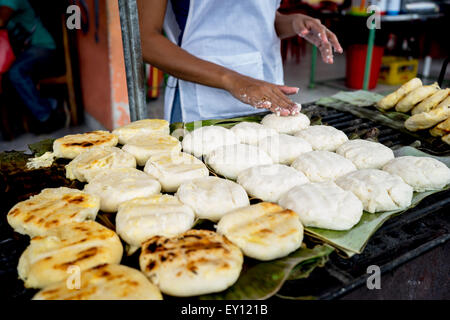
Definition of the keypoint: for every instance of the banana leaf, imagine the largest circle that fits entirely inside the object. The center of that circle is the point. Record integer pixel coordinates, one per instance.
(41, 147)
(353, 241)
(262, 280)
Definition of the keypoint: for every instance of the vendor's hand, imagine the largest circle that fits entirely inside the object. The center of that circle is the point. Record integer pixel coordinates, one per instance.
(264, 95)
(315, 32)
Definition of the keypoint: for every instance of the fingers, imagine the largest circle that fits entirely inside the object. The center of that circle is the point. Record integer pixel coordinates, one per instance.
(288, 90)
(318, 28)
(326, 52)
(334, 41)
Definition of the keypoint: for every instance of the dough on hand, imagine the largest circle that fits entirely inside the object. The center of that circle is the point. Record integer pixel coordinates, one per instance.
(421, 173)
(391, 100)
(270, 182)
(193, 263)
(264, 231)
(431, 102)
(416, 96)
(324, 205)
(378, 190)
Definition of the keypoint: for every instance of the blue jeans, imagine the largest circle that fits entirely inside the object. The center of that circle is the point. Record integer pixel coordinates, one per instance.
(176, 115)
(34, 63)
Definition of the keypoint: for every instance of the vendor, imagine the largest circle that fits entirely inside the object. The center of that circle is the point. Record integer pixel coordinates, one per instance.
(35, 55)
(224, 56)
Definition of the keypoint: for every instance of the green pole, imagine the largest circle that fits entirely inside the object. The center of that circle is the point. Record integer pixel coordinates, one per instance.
(312, 74)
(369, 57)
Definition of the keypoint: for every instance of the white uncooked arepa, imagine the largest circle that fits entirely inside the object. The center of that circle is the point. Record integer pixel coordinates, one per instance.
(251, 132)
(324, 205)
(270, 182)
(193, 263)
(229, 161)
(51, 208)
(80, 245)
(143, 147)
(284, 148)
(288, 124)
(142, 218)
(141, 129)
(86, 165)
(366, 154)
(104, 282)
(118, 185)
(320, 166)
(264, 231)
(421, 173)
(72, 145)
(171, 170)
(322, 137)
(212, 197)
(203, 140)
(378, 190)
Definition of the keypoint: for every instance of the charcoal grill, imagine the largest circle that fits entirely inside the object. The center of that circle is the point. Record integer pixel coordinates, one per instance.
(398, 241)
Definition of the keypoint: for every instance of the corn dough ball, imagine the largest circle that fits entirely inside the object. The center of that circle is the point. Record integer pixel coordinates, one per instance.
(284, 148)
(212, 197)
(378, 190)
(252, 132)
(270, 182)
(421, 173)
(287, 125)
(323, 205)
(324, 138)
(366, 154)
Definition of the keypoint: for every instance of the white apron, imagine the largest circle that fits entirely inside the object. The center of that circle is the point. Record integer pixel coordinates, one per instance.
(239, 35)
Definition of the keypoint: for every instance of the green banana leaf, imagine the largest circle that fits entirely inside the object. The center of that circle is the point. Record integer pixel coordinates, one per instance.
(41, 147)
(262, 280)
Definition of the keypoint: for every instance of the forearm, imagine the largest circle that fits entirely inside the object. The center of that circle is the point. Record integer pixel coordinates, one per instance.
(165, 55)
(284, 25)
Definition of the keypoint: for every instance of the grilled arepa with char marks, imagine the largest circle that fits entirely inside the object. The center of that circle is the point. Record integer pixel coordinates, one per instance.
(82, 244)
(263, 231)
(426, 120)
(432, 101)
(52, 208)
(416, 96)
(85, 166)
(196, 262)
(142, 129)
(72, 145)
(104, 282)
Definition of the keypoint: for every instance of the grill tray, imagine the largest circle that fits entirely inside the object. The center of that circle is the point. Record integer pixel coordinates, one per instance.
(399, 240)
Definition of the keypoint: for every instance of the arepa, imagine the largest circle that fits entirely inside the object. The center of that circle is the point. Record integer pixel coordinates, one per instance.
(104, 282)
(51, 208)
(72, 145)
(416, 96)
(142, 218)
(264, 231)
(142, 129)
(431, 102)
(86, 165)
(322, 137)
(366, 154)
(251, 132)
(193, 263)
(79, 244)
(284, 148)
(391, 99)
(426, 120)
(288, 124)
